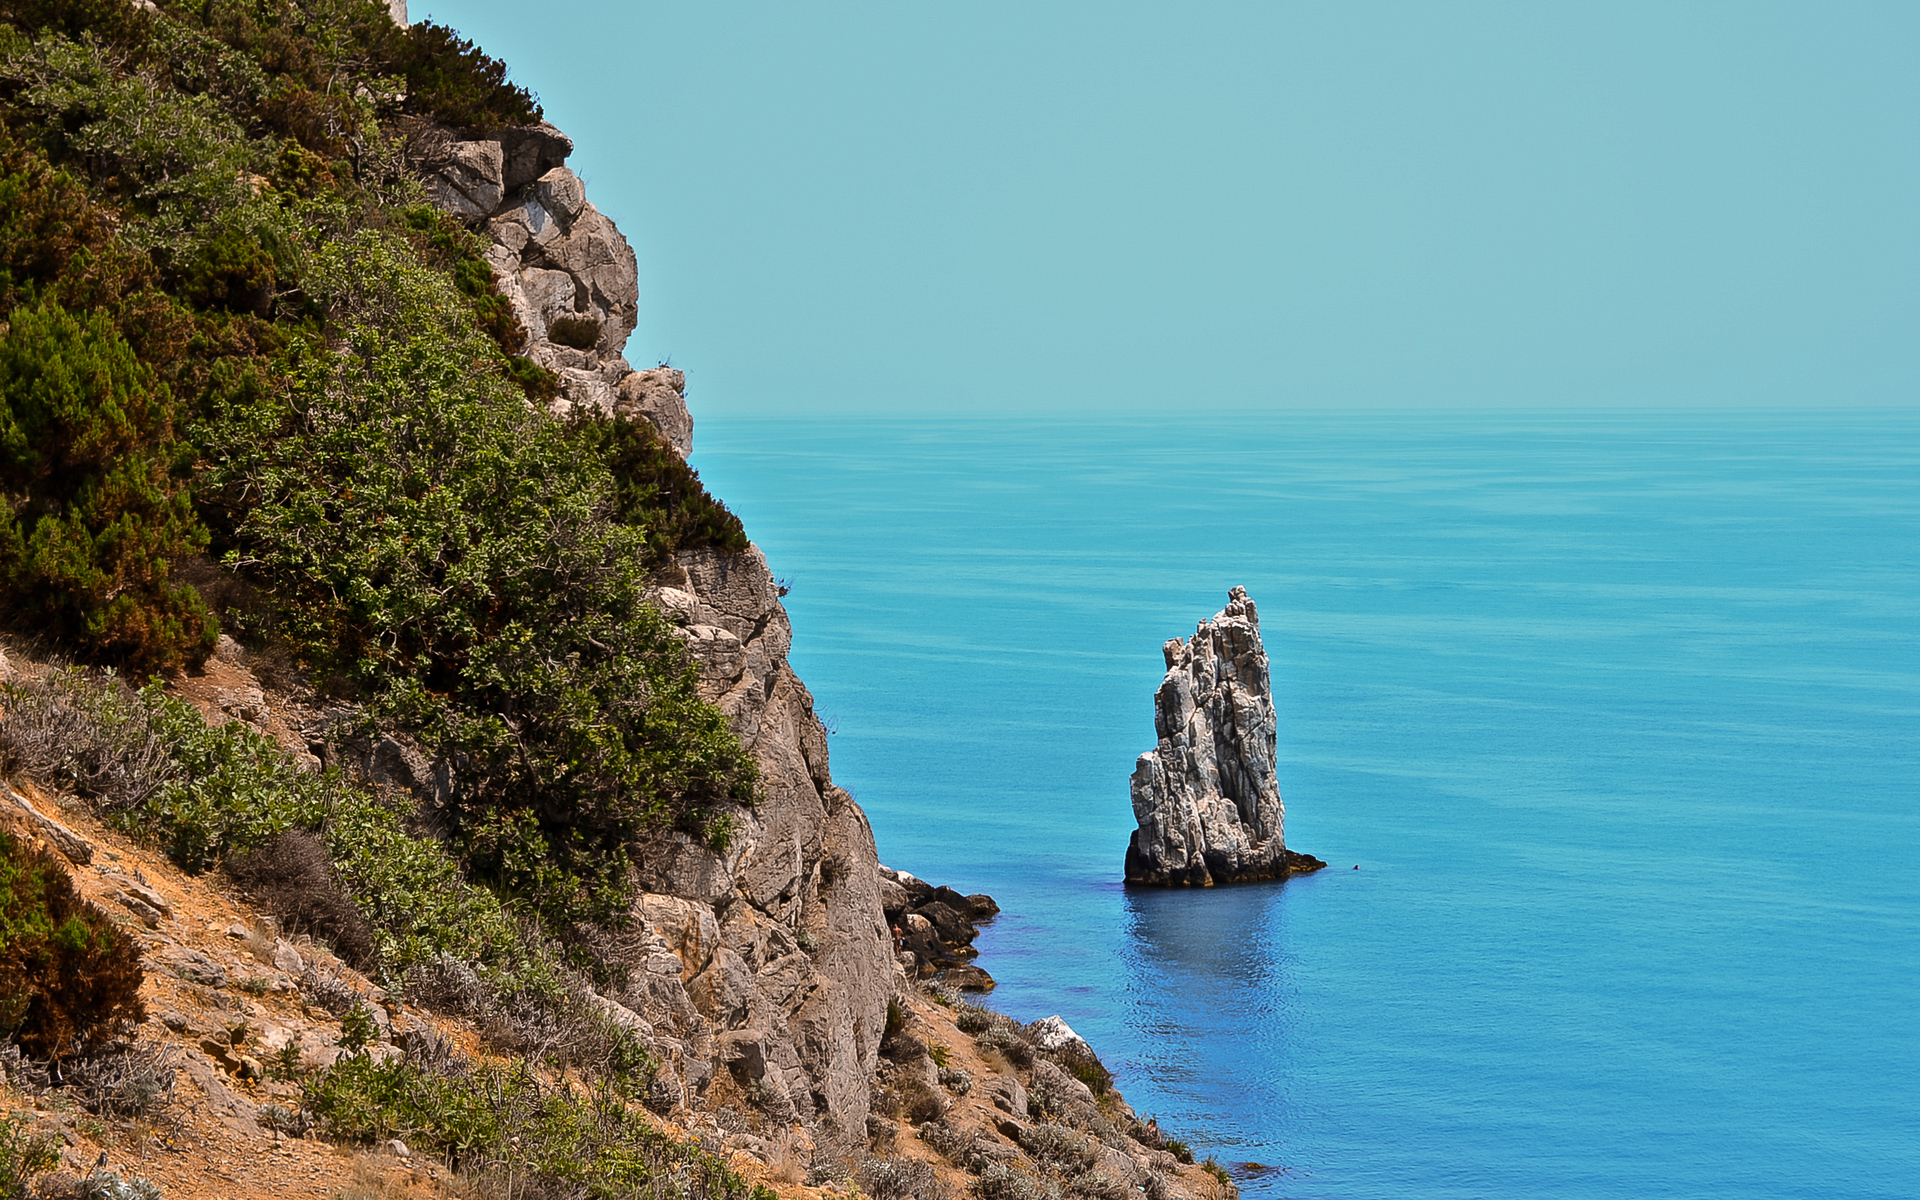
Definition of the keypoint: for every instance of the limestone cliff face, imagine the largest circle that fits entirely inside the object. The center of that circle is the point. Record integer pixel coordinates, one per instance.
(763, 971)
(571, 277)
(1207, 797)
(785, 960)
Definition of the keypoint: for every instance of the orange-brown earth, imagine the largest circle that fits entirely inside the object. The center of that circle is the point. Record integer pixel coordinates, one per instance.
(224, 999)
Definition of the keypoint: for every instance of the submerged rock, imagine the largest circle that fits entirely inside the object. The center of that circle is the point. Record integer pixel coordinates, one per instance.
(1207, 798)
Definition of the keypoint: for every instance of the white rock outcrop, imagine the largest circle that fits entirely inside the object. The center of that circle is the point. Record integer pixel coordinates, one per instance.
(569, 274)
(1207, 797)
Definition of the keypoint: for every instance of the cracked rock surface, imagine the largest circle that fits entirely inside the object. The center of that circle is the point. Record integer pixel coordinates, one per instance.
(1207, 797)
(569, 274)
(762, 970)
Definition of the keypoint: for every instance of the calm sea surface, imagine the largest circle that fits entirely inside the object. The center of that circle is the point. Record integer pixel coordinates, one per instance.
(1618, 716)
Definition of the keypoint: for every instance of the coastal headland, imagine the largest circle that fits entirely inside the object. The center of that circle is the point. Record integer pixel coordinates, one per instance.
(475, 835)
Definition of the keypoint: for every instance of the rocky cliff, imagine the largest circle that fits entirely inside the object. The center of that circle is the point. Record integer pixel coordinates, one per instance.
(1207, 797)
(766, 969)
(768, 963)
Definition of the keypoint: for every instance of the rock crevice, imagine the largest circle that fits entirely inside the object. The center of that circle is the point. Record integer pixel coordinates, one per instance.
(1207, 797)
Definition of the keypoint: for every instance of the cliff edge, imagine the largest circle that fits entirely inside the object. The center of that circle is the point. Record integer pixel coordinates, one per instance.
(765, 969)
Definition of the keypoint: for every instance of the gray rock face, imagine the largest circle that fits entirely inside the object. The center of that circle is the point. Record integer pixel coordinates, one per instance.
(770, 964)
(1207, 797)
(660, 397)
(566, 270)
(570, 276)
(763, 970)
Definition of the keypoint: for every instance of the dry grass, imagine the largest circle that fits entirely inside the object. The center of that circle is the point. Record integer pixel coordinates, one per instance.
(95, 736)
(785, 1165)
(901, 1179)
(380, 1176)
(292, 876)
(124, 1082)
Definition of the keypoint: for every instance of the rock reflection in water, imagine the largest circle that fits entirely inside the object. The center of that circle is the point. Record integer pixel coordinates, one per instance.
(1209, 1003)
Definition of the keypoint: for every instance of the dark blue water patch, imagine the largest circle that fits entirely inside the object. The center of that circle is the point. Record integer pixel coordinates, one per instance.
(1620, 718)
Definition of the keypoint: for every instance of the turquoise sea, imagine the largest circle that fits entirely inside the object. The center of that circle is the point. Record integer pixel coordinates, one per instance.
(1619, 717)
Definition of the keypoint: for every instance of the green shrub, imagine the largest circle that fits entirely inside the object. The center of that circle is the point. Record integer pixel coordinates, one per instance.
(360, 1100)
(1083, 1064)
(541, 385)
(454, 80)
(233, 789)
(55, 242)
(231, 270)
(207, 796)
(357, 1030)
(500, 1120)
(227, 789)
(86, 445)
(655, 490)
(23, 1154)
(483, 586)
(446, 244)
(108, 20)
(179, 165)
(68, 976)
(449, 552)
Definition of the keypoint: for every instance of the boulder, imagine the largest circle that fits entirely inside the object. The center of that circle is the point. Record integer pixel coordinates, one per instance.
(1207, 797)
(936, 926)
(967, 979)
(467, 178)
(893, 899)
(1008, 1095)
(659, 396)
(76, 849)
(1052, 1033)
(1047, 1077)
(287, 958)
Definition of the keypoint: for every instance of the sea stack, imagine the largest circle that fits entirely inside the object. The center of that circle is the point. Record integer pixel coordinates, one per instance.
(1207, 798)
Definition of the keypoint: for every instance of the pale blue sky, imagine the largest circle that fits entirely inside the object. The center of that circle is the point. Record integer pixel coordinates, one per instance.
(1059, 207)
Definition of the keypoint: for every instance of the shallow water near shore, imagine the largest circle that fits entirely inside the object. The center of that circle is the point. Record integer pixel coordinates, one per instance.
(1619, 717)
